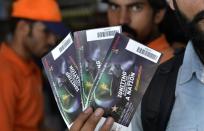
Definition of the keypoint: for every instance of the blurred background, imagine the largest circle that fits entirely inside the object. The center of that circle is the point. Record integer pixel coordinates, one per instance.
(77, 14)
(86, 14)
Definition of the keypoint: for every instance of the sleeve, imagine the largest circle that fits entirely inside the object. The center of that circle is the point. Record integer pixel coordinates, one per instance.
(136, 121)
(7, 101)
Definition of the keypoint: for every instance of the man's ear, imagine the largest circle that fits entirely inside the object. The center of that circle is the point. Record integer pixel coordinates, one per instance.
(171, 4)
(159, 16)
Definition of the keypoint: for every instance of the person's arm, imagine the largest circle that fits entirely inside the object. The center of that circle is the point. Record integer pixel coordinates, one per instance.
(88, 120)
(7, 101)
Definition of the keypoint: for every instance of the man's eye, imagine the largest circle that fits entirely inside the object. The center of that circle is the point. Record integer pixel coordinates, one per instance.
(113, 7)
(136, 8)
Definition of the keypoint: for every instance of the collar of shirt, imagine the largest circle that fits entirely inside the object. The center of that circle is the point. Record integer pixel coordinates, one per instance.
(191, 65)
(8, 54)
(159, 44)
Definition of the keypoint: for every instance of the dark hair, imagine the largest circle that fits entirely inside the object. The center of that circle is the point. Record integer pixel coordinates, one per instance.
(171, 27)
(155, 4)
(13, 24)
(158, 4)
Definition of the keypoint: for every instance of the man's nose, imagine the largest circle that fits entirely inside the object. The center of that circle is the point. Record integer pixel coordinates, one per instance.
(124, 17)
(52, 39)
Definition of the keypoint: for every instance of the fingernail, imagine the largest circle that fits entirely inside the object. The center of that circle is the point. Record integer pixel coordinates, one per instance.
(109, 121)
(88, 110)
(99, 112)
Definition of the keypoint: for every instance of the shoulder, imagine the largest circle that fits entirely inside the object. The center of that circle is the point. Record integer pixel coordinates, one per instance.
(161, 93)
(166, 73)
(7, 66)
(9, 71)
(173, 63)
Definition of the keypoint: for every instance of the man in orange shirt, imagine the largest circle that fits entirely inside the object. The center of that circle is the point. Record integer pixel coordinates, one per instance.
(37, 25)
(140, 20)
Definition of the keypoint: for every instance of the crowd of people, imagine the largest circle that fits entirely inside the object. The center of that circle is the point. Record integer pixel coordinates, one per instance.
(174, 99)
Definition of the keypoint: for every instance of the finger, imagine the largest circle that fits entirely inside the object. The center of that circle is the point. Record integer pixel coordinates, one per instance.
(93, 120)
(107, 124)
(81, 119)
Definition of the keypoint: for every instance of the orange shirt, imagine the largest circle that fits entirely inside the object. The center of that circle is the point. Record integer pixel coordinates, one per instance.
(21, 106)
(160, 44)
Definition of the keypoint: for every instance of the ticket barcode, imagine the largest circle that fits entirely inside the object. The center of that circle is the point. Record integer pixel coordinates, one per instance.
(102, 33)
(106, 34)
(143, 51)
(147, 53)
(64, 46)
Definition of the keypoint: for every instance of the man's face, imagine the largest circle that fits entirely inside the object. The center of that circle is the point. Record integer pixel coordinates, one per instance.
(191, 15)
(39, 41)
(138, 15)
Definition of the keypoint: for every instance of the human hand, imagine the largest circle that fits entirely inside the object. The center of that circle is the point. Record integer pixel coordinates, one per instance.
(88, 120)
